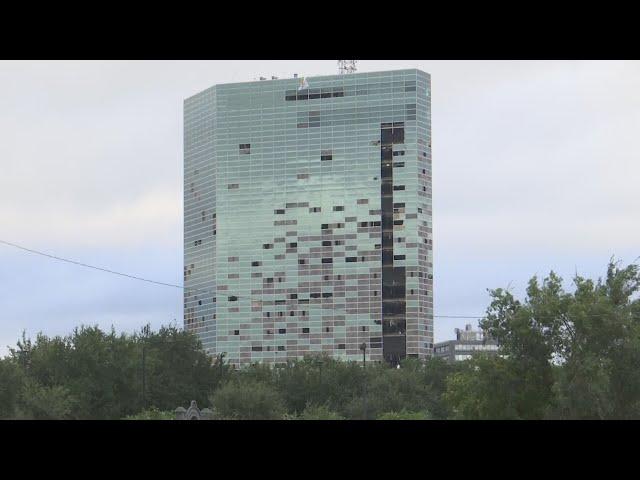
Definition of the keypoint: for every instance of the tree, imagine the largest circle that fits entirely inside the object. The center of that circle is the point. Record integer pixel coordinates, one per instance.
(405, 415)
(488, 388)
(392, 390)
(247, 400)
(40, 402)
(11, 380)
(152, 414)
(319, 412)
(103, 372)
(598, 348)
(523, 377)
(177, 369)
(319, 380)
(564, 355)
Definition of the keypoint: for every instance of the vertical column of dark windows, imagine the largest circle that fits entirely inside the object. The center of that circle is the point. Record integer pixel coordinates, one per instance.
(394, 345)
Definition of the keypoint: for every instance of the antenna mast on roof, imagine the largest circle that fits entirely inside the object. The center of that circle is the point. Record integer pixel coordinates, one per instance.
(346, 66)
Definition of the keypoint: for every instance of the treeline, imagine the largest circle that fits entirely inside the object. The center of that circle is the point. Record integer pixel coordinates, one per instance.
(92, 374)
(563, 355)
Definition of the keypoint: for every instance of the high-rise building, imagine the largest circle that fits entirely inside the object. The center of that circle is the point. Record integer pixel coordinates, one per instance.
(307, 217)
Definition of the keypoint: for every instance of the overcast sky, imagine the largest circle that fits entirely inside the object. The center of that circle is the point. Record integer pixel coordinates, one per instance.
(535, 167)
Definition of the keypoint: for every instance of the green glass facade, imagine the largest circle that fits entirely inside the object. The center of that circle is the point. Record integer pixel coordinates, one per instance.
(307, 217)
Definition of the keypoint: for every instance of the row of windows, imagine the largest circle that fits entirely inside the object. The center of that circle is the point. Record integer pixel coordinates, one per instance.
(281, 348)
(301, 176)
(340, 91)
(489, 347)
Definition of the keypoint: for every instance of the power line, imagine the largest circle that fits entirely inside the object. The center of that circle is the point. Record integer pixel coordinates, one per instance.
(74, 262)
(89, 266)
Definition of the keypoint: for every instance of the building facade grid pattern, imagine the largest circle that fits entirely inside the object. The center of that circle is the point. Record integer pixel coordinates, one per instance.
(283, 217)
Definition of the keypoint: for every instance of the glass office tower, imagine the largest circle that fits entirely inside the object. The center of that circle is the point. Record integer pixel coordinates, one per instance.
(307, 217)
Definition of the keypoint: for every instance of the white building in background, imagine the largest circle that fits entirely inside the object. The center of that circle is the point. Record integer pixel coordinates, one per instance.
(468, 343)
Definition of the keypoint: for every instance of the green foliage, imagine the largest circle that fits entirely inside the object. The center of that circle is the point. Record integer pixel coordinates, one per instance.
(247, 400)
(177, 370)
(11, 380)
(600, 336)
(489, 388)
(405, 415)
(390, 389)
(318, 380)
(41, 402)
(100, 374)
(566, 355)
(152, 413)
(319, 412)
